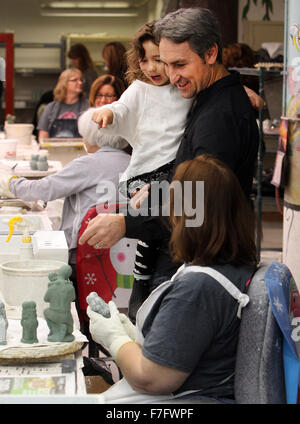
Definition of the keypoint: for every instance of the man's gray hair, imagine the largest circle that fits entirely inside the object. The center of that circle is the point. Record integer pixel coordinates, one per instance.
(198, 26)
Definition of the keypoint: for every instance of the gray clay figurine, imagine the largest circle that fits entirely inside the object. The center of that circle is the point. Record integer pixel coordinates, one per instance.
(29, 322)
(34, 162)
(97, 304)
(3, 324)
(42, 164)
(60, 294)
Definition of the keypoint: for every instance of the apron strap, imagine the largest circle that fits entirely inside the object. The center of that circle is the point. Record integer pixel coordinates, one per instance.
(242, 298)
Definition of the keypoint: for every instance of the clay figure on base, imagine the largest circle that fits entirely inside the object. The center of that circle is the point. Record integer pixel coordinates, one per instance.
(29, 322)
(60, 294)
(42, 164)
(3, 324)
(97, 304)
(34, 162)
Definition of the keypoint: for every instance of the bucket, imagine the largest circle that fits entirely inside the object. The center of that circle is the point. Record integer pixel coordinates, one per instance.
(27, 281)
(21, 132)
(8, 148)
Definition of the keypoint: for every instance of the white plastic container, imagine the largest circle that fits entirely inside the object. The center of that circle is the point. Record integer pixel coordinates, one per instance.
(27, 281)
(21, 132)
(8, 148)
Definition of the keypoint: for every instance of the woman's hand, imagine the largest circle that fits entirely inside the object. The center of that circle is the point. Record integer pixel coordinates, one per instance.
(109, 332)
(103, 117)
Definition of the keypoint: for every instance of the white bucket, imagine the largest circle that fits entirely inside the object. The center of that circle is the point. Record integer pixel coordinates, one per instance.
(27, 281)
(8, 148)
(21, 132)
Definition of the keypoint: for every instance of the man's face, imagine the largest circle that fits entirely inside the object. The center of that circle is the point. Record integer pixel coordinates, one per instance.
(185, 67)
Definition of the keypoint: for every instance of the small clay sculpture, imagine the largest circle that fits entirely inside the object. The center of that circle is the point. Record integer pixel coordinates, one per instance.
(97, 304)
(60, 294)
(3, 324)
(42, 164)
(34, 162)
(29, 322)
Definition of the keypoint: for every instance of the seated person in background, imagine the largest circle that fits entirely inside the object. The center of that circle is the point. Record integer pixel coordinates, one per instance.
(105, 90)
(46, 98)
(81, 59)
(186, 332)
(77, 182)
(59, 118)
(240, 55)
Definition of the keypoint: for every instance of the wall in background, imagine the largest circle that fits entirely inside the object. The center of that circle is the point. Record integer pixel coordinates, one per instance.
(256, 13)
(22, 17)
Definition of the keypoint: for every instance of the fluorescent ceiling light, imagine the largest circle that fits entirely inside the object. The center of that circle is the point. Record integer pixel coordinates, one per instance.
(73, 13)
(86, 5)
(90, 15)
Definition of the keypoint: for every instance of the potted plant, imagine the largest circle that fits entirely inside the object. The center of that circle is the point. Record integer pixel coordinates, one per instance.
(265, 3)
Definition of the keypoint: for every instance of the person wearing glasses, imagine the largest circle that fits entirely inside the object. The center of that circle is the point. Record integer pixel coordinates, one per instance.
(59, 119)
(105, 90)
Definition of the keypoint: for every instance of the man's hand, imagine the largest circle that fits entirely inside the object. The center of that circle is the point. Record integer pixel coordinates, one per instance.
(103, 117)
(104, 230)
(256, 101)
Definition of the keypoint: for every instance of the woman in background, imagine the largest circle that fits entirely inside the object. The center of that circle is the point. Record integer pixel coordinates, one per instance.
(81, 59)
(105, 90)
(115, 62)
(59, 119)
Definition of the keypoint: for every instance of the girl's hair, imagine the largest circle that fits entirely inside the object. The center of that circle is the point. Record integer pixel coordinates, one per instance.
(115, 82)
(114, 56)
(60, 90)
(136, 52)
(79, 51)
(227, 235)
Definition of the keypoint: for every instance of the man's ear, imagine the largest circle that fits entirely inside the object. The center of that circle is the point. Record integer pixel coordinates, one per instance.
(211, 55)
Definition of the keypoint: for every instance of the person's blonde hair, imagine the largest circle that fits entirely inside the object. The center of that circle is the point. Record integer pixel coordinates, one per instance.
(60, 90)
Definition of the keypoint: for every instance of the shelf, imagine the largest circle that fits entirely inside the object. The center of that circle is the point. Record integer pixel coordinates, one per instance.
(37, 71)
(258, 71)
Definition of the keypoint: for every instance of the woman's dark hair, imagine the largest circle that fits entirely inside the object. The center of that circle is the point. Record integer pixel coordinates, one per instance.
(114, 56)
(136, 52)
(227, 235)
(115, 82)
(79, 51)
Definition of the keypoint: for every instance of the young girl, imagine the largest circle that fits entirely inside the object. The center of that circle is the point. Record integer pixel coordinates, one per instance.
(151, 116)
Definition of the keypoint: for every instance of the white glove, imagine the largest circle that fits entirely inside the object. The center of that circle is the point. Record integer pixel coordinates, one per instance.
(4, 185)
(128, 326)
(108, 331)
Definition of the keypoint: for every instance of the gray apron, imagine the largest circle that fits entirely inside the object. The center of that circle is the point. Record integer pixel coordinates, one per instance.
(64, 128)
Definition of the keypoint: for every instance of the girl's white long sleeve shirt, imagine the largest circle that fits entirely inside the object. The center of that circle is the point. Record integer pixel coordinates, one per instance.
(151, 118)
